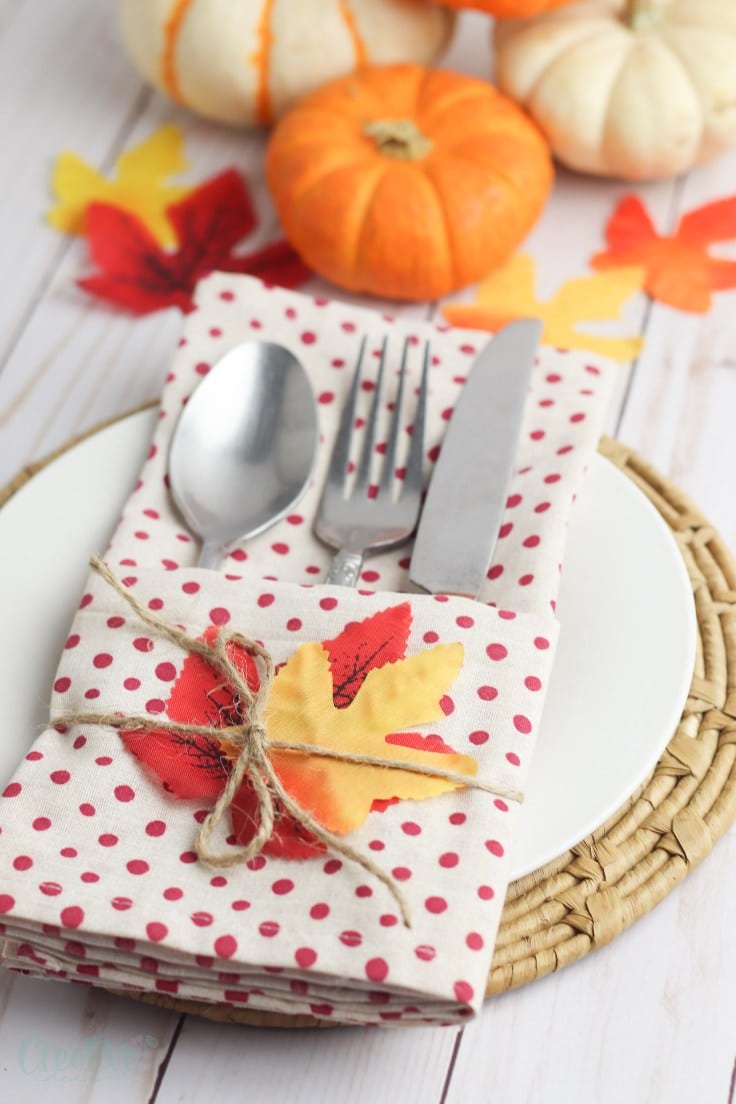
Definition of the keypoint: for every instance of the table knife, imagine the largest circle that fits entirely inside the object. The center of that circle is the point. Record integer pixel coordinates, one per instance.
(462, 512)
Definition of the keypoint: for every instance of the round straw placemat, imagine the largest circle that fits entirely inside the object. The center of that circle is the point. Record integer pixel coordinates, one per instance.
(591, 893)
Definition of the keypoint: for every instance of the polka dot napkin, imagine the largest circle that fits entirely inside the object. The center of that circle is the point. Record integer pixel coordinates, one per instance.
(99, 878)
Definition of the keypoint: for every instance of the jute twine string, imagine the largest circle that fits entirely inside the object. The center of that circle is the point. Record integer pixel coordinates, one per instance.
(250, 738)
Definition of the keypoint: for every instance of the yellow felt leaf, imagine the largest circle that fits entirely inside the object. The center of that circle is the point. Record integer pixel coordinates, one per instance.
(393, 697)
(510, 293)
(137, 185)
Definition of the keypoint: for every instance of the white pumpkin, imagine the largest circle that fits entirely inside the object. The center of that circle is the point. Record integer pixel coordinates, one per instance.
(638, 89)
(246, 61)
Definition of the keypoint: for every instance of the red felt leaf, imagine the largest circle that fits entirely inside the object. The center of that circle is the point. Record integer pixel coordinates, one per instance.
(276, 263)
(363, 645)
(193, 766)
(187, 766)
(678, 269)
(714, 222)
(137, 274)
(629, 225)
(210, 221)
(289, 839)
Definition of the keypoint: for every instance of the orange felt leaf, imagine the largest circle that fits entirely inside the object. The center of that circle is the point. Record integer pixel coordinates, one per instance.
(395, 696)
(679, 269)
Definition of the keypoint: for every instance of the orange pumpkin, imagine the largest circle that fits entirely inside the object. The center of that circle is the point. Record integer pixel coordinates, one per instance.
(508, 9)
(405, 182)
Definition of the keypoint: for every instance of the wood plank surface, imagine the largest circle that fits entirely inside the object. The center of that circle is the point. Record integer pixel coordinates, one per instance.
(649, 1018)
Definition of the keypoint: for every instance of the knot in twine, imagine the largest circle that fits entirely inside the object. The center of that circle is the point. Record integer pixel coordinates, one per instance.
(250, 738)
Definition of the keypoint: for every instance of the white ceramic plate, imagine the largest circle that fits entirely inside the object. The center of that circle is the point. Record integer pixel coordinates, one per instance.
(621, 675)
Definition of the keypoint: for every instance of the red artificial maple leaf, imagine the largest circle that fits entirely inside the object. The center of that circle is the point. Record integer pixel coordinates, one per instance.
(679, 270)
(363, 645)
(139, 275)
(195, 767)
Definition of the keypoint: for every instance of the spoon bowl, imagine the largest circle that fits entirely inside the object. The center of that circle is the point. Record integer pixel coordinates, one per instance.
(244, 447)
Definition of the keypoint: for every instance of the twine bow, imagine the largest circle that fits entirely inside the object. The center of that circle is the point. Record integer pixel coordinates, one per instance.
(250, 738)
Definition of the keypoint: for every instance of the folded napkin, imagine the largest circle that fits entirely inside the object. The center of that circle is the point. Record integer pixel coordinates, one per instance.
(101, 881)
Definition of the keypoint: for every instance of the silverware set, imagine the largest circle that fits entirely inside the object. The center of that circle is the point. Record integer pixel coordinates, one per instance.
(243, 452)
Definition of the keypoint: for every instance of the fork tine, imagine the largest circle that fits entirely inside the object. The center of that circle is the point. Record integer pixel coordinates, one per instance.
(415, 463)
(341, 448)
(347, 519)
(389, 460)
(369, 440)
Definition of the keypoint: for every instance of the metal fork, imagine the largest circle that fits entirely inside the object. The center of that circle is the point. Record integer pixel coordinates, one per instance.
(348, 519)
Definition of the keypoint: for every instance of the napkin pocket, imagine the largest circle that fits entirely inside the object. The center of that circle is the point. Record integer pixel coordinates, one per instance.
(444, 681)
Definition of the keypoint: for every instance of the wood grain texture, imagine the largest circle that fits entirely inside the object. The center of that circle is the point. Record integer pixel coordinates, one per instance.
(61, 71)
(78, 1044)
(645, 1019)
(648, 1018)
(352, 1065)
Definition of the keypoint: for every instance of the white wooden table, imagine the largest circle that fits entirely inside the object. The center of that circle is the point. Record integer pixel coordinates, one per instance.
(650, 1017)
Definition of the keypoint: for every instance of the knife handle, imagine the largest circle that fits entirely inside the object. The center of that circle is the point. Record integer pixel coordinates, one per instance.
(345, 569)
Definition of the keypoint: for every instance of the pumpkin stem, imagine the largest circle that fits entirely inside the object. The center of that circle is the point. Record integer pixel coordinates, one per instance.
(641, 15)
(399, 138)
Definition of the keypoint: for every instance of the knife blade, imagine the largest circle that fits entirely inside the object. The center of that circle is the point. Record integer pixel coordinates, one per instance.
(462, 511)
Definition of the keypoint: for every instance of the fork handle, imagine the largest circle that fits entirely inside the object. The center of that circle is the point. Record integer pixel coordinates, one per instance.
(345, 569)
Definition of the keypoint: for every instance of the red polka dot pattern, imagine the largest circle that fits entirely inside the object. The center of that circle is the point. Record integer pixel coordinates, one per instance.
(226, 946)
(136, 875)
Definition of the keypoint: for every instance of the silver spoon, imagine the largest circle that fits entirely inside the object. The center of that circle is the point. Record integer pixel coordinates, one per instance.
(243, 449)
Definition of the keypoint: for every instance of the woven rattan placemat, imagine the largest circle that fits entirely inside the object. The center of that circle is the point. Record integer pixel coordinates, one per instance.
(590, 894)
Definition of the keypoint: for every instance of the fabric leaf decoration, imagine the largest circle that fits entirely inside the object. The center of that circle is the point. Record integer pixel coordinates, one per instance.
(363, 645)
(355, 693)
(509, 293)
(394, 696)
(679, 269)
(193, 766)
(138, 185)
(137, 274)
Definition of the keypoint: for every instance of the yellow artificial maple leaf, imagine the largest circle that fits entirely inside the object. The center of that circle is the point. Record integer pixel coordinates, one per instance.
(509, 293)
(137, 185)
(395, 696)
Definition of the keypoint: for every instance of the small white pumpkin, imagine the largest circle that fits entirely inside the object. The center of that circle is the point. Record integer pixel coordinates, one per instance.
(639, 89)
(245, 62)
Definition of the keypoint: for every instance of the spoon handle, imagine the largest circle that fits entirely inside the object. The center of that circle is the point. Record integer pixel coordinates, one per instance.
(210, 555)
